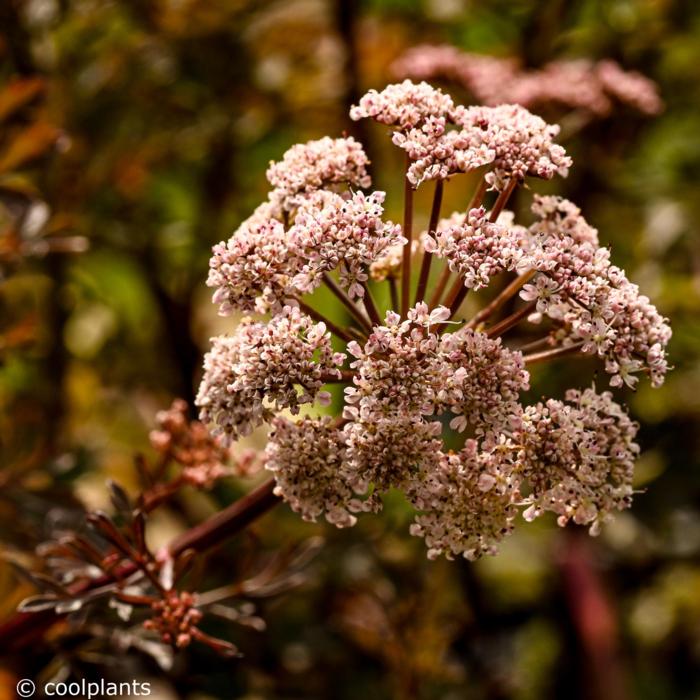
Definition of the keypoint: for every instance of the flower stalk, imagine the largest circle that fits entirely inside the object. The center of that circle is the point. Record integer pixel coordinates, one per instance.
(407, 246)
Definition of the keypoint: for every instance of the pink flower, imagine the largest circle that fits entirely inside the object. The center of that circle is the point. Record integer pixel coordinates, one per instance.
(263, 369)
(576, 84)
(592, 299)
(578, 457)
(404, 105)
(332, 232)
(308, 167)
(522, 142)
(309, 463)
(477, 249)
(253, 270)
(482, 383)
(415, 372)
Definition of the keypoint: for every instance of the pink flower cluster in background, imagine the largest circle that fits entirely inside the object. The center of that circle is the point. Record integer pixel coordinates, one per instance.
(581, 84)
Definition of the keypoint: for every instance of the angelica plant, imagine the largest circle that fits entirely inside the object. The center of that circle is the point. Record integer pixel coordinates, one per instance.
(416, 370)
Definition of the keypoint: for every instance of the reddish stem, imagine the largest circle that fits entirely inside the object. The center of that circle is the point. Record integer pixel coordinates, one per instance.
(551, 354)
(428, 257)
(407, 249)
(456, 296)
(347, 303)
(440, 286)
(501, 299)
(370, 306)
(317, 316)
(502, 199)
(478, 197)
(509, 321)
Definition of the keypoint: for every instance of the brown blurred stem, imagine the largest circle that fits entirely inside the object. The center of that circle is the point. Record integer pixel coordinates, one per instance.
(478, 197)
(370, 306)
(502, 200)
(593, 618)
(551, 354)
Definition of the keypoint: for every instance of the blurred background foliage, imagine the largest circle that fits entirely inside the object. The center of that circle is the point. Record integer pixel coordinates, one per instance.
(134, 134)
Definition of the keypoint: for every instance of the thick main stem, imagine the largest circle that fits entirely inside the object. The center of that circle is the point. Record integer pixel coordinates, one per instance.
(408, 246)
(22, 628)
(427, 256)
(228, 521)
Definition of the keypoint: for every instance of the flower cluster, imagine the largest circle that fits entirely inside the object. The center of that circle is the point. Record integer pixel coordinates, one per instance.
(578, 457)
(304, 231)
(441, 139)
(252, 270)
(308, 167)
(576, 285)
(331, 232)
(574, 84)
(175, 618)
(309, 464)
(259, 370)
(599, 306)
(404, 105)
(469, 504)
(523, 144)
(189, 443)
(414, 368)
(482, 383)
